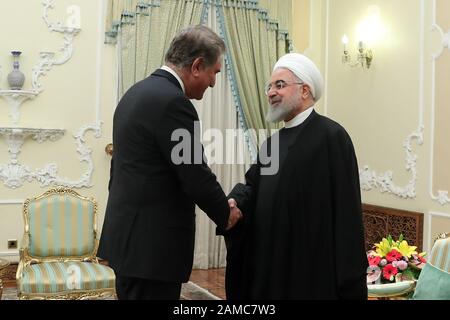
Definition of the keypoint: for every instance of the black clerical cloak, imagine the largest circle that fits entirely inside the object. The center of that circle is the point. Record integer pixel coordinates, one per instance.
(302, 234)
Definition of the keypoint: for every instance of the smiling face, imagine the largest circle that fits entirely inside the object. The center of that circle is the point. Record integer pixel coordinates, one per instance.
(286, 99)
(200, 77)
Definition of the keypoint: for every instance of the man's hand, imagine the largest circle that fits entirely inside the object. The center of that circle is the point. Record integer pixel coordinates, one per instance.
(235, 214)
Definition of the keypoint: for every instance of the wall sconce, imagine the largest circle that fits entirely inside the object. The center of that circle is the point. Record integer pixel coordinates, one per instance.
(370, 30)
(364, 57)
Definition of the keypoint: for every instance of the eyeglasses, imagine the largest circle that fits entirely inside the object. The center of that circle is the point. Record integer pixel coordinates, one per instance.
(278, 85)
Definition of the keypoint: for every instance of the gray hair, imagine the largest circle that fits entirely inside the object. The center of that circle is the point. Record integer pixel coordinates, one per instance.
(194, 42)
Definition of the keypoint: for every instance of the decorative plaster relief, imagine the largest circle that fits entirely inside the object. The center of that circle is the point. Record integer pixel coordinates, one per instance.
(47, 60)
(15, 174)
(370, 180)
(85, 155)
(442, 196)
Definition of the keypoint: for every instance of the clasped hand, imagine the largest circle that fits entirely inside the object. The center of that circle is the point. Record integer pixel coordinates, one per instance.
(235, 214)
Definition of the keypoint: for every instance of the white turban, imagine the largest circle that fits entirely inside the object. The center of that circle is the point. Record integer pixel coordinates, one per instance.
(305, 70)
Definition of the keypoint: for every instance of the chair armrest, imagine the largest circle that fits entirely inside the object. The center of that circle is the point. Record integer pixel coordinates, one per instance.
(23, 254)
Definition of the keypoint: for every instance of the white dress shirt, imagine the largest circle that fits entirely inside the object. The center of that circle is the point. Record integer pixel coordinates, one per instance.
(172, 72)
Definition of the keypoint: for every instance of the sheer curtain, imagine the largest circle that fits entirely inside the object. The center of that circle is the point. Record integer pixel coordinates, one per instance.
(218, 111)
(142, 31)
(255, 43)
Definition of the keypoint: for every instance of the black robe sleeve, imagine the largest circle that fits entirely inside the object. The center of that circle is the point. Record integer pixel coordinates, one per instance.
(236, 238)
(351, 261)
(245, 195)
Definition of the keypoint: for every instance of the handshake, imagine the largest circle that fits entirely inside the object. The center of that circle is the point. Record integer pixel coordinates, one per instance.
(235, 214)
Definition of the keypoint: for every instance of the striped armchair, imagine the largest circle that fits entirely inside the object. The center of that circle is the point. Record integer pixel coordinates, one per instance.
(58, 251)
(434, 280)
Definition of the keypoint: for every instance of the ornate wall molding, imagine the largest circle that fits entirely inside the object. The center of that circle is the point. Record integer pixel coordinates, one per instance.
(16, 98)
(385, 182)
(442, 195)
(369, 179)
(85, 155)
(12, 201)
(69, 31)
(14, 174)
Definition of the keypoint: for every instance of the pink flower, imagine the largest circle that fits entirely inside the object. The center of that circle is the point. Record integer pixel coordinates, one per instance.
(402, 265)
(393, 255)
(373, 261)
(389, 272)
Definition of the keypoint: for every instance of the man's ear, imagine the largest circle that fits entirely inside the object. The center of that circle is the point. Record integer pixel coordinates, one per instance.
(197, 65)
(308, 92)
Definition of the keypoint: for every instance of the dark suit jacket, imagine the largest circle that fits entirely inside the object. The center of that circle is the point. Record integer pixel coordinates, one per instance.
(149, 225)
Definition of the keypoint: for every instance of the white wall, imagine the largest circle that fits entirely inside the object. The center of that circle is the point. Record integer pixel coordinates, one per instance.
(386, 106)
(78, 93)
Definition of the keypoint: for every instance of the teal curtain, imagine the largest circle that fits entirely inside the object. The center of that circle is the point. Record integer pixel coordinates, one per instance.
(143, 30)
(256, 34)
(254, 42)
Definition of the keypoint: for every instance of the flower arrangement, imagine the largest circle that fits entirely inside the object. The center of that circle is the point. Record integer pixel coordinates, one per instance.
(394, 261)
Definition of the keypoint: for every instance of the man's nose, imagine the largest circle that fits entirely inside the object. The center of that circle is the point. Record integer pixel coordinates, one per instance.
(272, 93)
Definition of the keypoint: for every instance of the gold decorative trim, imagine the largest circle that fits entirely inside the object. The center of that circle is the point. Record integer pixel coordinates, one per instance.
(26, 259)
(76, 295)
(35, 259)
(109, 149)
(443, 235)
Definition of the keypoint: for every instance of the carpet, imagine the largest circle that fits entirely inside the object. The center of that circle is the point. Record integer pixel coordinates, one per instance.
(189, 291)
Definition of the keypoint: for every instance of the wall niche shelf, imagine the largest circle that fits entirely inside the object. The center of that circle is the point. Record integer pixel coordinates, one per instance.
(15, 99)
(14, 174)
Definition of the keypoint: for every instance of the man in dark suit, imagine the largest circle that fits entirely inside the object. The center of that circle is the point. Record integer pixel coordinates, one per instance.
(149, 228)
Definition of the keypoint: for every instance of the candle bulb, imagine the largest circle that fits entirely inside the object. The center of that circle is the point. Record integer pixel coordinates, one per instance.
(345, 42)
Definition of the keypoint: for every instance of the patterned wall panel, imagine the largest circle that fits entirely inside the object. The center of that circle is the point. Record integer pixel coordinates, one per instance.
(379, 222)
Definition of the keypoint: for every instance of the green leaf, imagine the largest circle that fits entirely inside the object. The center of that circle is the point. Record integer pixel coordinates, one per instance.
(408, 274)
(389, 238)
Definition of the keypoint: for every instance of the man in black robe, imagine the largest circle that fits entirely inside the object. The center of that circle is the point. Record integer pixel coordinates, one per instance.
(302, 234)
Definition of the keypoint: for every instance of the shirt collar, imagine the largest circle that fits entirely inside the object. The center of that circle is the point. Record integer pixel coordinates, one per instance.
(172, 72)
(298, 119)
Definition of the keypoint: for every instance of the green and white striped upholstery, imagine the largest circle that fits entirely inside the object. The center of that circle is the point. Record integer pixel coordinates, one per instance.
(434, 280)
(61, 225)
(64, 277)
(440, 255)
(58, 253)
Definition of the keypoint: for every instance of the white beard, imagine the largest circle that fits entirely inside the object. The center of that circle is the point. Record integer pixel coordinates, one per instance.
(284, 108)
